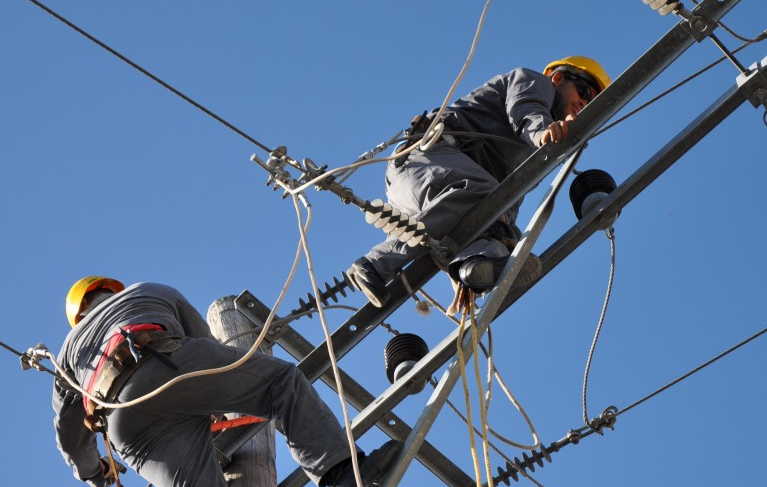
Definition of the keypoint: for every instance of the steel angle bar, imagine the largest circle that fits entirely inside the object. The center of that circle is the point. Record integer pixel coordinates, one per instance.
(487, 314)
(733, 98)
(516, 185)
(297, 346)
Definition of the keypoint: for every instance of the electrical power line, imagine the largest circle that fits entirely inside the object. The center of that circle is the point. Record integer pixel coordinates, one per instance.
(150, 75)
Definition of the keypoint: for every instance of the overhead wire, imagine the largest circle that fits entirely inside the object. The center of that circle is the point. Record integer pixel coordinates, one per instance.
(691, 372)
(584, 391)
(147, 73)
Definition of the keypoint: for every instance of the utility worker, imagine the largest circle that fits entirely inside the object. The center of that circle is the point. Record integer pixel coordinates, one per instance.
(488, 133)
(167, 439)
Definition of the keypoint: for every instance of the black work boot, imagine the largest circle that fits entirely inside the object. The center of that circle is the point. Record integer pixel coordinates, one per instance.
(364, 277)
(373, 468)
(480, 273)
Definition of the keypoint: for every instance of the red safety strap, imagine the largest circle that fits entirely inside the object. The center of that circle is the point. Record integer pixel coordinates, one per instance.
(234, 423)
(114, 341)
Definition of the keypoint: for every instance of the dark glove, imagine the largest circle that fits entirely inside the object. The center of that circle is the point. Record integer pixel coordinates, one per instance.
(104, 477)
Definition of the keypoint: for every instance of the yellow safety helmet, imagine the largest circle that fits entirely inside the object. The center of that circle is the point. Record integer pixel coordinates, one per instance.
(585, 64)
(82, 287)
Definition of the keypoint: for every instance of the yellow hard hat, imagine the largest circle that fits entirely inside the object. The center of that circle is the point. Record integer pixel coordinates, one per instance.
(82, 287)
(584, 64)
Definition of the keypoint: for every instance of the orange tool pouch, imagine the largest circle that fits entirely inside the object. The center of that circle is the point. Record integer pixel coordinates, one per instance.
(117, 365)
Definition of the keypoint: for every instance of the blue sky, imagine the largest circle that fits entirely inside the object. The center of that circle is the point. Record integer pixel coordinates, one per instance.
(106, 172)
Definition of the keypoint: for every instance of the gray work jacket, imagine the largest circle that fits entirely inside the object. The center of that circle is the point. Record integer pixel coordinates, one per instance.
(83, 347)
(517, 106)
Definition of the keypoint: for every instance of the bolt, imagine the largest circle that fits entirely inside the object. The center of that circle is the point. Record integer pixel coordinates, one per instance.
(700, 25)
(251, 304)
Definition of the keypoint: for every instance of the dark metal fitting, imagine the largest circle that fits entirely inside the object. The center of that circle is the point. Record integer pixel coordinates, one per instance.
(442, 251)
(758, 95)
(573, 436)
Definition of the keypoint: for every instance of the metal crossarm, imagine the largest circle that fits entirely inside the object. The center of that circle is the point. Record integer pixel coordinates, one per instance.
(297, 346)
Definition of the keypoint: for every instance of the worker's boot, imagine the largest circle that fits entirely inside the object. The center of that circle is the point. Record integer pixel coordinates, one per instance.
(364, 277)
(480, 273)
(373, 468)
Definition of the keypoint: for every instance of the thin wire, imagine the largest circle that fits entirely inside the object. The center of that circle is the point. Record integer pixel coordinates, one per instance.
(664, 93)
(467, 398)
(435, 120)
(758, 38)
(688, 374)
(150, 75)
(328, 340)
(584, 393)
(38, 366)
(288, 319)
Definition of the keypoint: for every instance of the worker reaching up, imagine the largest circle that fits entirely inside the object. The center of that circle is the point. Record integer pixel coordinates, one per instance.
(488, 134)
(125, 342)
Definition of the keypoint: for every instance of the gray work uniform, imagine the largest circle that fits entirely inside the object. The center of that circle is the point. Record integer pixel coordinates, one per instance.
(167, 439)
(440, 185)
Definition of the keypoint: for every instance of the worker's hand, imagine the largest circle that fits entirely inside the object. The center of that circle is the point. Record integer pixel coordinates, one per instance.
(556, 131)
(105, 478)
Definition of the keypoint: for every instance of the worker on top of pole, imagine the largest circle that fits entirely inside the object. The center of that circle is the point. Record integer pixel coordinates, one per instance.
(125, 342)
(503, 122)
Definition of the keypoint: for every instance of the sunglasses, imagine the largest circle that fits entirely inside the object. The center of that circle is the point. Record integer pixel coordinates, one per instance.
(584, 88)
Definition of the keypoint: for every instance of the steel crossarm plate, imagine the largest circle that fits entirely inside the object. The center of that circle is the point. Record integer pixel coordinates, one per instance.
(517, 184)
(298, 347)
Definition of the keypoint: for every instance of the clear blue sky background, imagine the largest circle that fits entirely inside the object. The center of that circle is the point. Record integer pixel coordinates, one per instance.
(106, 172)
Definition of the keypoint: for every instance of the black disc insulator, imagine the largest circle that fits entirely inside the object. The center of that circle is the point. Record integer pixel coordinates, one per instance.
(587, 183)
(402, 348)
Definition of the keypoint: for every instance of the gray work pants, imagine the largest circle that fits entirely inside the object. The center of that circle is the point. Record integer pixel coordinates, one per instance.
(167, 439)
(437, 187)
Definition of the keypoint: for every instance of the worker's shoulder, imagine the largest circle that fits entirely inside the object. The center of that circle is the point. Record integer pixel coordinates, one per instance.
(524, 74)
(149, 289)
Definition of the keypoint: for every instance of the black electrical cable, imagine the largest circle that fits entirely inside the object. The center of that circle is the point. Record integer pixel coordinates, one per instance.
(21, 354)
(151, 76)
(668, 91)
(688, 374)
(758, 38)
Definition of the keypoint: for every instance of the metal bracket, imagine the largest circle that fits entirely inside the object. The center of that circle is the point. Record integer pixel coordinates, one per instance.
(757, 93)
(699, 23)
(253, 310)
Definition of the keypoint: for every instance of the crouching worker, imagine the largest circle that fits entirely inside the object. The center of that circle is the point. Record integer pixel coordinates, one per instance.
(125, 342)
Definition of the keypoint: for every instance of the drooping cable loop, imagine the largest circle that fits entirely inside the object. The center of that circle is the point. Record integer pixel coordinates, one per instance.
(147, 73)
(610, 232)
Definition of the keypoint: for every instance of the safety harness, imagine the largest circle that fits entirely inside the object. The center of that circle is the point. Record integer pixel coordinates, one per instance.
(124, 353)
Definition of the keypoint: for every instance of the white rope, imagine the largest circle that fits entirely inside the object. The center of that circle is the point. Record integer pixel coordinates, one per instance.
(198, 373)
(502, 384)
(432, 127)
(328, 340)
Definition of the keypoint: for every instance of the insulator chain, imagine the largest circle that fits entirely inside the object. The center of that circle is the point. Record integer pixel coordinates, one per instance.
(527, 463)
(331, 292)
(395, 223)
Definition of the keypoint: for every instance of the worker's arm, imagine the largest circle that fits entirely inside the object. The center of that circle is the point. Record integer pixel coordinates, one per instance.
(529, 99)
(76, 444)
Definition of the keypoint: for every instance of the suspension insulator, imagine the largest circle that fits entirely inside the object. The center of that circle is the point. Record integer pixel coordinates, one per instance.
(401, 354)
(526, 464)
(394, 223)
(330, 292)
(588, 190)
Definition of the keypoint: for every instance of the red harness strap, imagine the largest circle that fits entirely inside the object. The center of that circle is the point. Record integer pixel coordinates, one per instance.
(114, 341)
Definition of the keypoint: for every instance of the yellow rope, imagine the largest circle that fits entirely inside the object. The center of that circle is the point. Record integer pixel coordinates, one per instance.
(482, 406)
(467, 398)
(113, 472)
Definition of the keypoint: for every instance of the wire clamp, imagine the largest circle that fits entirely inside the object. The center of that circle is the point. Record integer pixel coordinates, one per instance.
(31, 358)
(605, 420)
